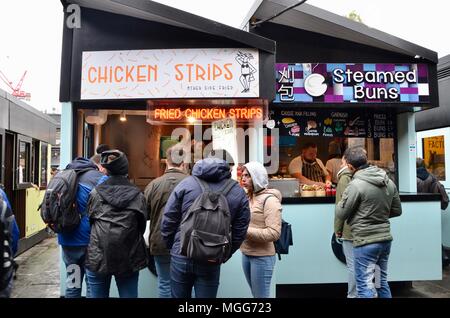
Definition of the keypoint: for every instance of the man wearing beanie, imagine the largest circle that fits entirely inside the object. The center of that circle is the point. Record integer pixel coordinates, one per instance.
(118, 214)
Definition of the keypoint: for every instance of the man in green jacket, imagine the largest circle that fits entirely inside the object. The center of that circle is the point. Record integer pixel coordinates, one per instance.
(370, 199)
(342, 229)
(156, 194)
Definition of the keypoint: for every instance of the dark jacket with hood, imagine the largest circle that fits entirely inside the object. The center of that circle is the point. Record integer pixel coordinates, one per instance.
(216, 172)
(370, 199)
(86, 182)
(118, 214)
(156, 194)
(427, 183)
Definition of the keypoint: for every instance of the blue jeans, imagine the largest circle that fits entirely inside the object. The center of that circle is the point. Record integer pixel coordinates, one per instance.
(186, 273)
(74, 257)
(347, 246)
(367, 258)
(100, 284)
(258, 271)
(162, 263)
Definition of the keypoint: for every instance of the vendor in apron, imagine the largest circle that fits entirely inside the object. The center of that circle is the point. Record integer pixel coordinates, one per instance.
(309, 169)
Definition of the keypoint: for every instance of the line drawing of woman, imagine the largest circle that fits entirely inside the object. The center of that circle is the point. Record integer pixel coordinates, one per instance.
(247, 70)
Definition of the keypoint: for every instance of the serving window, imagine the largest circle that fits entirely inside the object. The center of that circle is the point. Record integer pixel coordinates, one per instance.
(144, 135)
(331, 132)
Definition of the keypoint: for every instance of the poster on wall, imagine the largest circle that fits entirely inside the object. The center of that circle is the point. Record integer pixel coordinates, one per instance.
(352, 83)
(170, 73)
(434, 156)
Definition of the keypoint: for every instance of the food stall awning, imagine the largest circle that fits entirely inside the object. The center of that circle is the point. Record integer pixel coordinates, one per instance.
(313, 19)
(156, 12)
(438, 117)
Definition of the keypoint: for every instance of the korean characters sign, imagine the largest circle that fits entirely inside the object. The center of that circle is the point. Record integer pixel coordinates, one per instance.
(352, 83)
(174, 73)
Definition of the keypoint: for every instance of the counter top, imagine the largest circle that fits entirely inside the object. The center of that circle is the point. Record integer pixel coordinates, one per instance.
(404, 197)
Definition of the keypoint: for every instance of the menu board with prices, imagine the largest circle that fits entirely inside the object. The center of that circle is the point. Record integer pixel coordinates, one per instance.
(382, 125)
(334, 123)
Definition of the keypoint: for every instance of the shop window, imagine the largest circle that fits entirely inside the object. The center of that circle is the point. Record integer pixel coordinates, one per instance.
(23, 169)
(434, 156)
(35, 162)
(44, 164)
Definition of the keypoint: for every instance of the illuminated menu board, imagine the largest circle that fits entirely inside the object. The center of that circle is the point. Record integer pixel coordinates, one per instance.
(330, 123)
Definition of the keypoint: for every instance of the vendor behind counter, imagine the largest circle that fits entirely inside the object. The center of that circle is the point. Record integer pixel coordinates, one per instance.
(309, 169)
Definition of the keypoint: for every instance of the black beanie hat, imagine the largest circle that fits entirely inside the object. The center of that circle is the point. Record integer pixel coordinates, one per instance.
(116, 167)
(102, 147)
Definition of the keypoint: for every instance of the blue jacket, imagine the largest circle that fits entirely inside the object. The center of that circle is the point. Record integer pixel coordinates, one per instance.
(216, 172)
(86, 182)
(15, 229)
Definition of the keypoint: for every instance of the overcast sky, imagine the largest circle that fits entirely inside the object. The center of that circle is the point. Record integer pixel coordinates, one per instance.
(31, 33)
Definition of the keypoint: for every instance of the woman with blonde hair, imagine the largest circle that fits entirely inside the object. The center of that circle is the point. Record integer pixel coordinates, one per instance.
(258, 250)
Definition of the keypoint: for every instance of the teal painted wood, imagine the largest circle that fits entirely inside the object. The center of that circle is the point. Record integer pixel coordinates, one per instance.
(415, 253)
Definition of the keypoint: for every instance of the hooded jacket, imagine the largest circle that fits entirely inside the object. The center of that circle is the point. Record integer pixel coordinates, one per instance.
(118, 214)
(427, 183)
(265, 219)
(215, 172)
(341, 226)
(86, 182)
(370, 199)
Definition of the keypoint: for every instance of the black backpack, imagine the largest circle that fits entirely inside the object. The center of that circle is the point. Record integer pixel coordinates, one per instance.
(58, 208)
(285, 240)
(205, 230)
(7, 263)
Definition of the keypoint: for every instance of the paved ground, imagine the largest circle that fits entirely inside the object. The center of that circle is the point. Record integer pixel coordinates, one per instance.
(38, 277)
(38, 274)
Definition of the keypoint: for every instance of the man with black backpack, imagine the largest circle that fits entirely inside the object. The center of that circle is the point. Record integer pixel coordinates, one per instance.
(74, 242)
(9, 238)
(205, 221)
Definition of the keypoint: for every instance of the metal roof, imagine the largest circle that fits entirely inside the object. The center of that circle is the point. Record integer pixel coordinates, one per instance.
(313, 19)
(156, 12)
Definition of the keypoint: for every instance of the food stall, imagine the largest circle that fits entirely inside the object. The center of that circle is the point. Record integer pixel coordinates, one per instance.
(142, 76)
(342, 83)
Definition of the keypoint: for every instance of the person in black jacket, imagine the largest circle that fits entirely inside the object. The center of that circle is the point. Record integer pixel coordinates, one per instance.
(428, 183)
(118, 213)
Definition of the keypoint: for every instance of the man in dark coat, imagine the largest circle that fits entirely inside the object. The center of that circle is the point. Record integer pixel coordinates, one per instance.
(118, 214)
(156, 194)
(428, 183)
(187, 273)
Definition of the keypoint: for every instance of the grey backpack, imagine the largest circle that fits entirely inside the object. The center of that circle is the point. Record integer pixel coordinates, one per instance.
(205, 230)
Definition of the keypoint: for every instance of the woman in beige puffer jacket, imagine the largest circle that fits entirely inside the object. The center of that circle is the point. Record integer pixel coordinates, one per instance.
(258, 250)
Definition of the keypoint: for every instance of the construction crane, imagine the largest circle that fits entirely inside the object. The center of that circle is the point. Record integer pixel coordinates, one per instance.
(16, 92)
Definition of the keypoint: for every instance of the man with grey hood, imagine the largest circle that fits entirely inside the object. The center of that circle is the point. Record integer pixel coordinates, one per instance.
(367, 203)
(258, 250)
